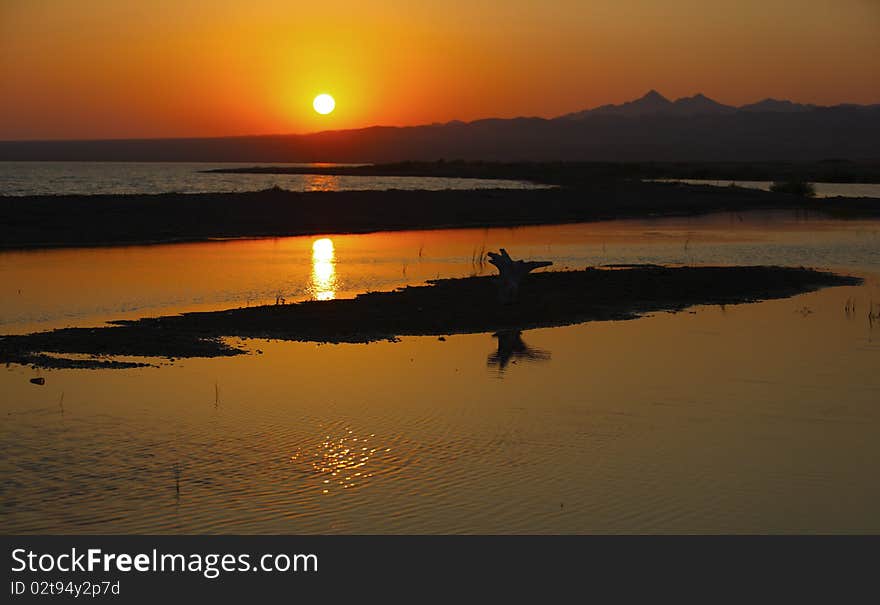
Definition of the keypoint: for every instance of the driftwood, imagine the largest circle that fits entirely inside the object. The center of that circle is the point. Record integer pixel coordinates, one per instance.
(511, 273)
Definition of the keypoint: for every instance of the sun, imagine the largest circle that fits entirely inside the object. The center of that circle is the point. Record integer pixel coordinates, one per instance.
(324, 104)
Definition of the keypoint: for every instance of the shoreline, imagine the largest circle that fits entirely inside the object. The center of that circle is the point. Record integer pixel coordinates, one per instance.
(42, 222)
(439, 308)
(580, 173)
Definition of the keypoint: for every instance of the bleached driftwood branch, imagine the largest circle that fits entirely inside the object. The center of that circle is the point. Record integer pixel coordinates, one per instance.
(511, 273)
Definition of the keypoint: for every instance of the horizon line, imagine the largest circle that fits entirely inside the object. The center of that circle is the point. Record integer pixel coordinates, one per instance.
(422, 125)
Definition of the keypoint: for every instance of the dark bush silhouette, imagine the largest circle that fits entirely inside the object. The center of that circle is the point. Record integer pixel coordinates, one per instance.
(794, 187)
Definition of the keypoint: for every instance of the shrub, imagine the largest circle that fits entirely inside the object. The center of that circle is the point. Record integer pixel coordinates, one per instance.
(794, 187)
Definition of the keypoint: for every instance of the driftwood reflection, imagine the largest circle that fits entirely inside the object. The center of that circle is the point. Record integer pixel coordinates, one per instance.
(511, 347)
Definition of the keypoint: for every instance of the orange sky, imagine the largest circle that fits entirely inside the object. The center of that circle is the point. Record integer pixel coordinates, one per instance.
(163, 68)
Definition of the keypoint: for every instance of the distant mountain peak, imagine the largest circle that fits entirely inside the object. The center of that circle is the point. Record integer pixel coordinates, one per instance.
(700, 97)
(651, 103)
(700, 104)
(652, 95)
(776, 106)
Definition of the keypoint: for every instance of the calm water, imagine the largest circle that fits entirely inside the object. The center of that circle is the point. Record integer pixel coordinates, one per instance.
(822, 189)
(747, 418)
(55, 288)
(56, 178)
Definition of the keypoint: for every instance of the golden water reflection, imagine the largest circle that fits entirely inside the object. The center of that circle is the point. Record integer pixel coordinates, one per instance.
(779, 430)
(99, 284)
(323, 269)
(321, 182)
(341, 461)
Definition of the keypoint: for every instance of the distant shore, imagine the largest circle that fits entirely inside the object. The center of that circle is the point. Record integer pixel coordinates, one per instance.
(580, 174)
(443, 307)
(116, 220)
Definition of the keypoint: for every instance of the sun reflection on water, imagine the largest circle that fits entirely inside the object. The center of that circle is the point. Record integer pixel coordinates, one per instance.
(321, 182)
(323, 269)
(342, 462)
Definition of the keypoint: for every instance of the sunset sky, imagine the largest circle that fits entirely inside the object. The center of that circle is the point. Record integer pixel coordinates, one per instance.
(166, 68)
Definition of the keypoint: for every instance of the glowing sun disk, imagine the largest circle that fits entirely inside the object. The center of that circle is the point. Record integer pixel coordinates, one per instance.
(324, 104)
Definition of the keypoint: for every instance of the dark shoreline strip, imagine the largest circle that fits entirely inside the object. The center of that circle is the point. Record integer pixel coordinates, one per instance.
(574, 173)
(449, 306)
(102, 220)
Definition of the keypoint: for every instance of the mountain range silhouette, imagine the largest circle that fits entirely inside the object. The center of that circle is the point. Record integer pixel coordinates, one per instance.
(650, 128)
(655, 104)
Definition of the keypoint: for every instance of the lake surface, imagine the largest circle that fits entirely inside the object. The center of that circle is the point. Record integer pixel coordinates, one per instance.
(87, 178)
(746, 418)
(822, 189)
(42, 289)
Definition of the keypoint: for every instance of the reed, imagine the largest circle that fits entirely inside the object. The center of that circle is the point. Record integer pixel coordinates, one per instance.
(176, 470)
